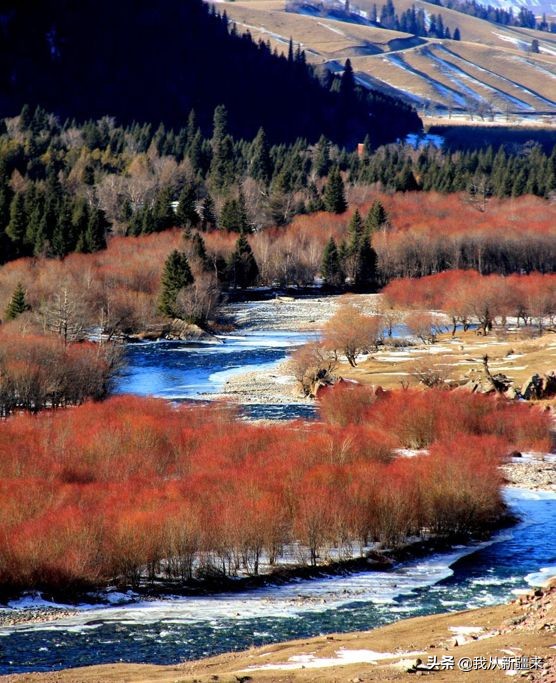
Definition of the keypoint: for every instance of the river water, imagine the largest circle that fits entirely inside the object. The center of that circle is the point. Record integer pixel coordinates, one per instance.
(181, 628)
(177, 371)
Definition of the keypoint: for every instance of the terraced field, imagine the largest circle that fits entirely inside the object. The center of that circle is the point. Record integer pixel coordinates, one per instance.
(490, 73)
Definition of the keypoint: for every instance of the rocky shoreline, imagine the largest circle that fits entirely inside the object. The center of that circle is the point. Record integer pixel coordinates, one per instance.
(534, 471)
(34, 615)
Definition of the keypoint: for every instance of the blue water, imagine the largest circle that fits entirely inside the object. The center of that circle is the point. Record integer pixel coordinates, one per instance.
(174, 630)
(177, 370)
(178, 629)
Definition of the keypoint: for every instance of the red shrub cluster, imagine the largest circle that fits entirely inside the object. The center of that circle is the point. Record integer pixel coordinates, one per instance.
(39, 372)
(425, 233)
(466, 295)
(109, 491)
(421, 418)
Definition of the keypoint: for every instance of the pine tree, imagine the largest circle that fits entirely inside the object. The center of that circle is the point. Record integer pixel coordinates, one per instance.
(175, 277)
(208, 214)
(321, 158)
(331, 267)
(186, 212)
(199, 252)
(457, 34)
(376, 218)
(242, 270)
(18, 304)
(17, 225)
(219, 125)
(355, 230)
(261, 165)
(233, 216)
(334, 193)
(222, 172)
(80, 221)
(95, 234)
(347, 83)
(366, 264)
(62, 235)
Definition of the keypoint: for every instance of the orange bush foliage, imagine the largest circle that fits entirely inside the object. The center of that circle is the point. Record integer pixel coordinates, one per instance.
(132, 487)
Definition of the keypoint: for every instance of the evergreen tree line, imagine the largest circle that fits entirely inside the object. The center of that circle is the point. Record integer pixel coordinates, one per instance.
(240, 270)
(64, 187)
(412, 20)
(497, 15)
(499, 173)
(354, 260)
(46, 219)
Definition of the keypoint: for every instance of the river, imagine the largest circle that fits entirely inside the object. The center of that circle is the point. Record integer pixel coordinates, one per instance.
(181, 628)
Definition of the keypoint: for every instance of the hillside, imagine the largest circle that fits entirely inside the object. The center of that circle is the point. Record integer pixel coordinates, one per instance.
(140, 62)
(490, 71)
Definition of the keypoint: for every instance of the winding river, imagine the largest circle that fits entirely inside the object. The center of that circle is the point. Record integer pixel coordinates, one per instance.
(176, 629)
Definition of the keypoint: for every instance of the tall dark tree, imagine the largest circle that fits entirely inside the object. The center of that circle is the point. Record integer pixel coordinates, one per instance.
(334, 193)
(17, 304)
(95, 234)
(186, 212)
(331, 267)
(175, 277)
(347, 83)
(199, 252)
(208, 214)
(17, 225)
(233, 216)
(242, 270)
(321, 158)
(260, 167)
(377, 217)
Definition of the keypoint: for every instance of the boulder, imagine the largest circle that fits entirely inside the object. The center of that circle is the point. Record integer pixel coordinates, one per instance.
(539, 386)
(190, 332)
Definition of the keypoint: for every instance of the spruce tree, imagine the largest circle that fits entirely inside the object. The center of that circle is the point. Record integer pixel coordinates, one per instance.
(163, 214)
(366, 274)
(175, 277)
(199, 252)
(95, 235)
(242, 270)
(334, 194)
(17, 225)
(208, 214)
(376, 218)
(187, 212)
(62, 235)
(261, 166)
(321, 158)
(18, 304)
(331, 267)
(355, 230)
(347, 83)
(233, 216)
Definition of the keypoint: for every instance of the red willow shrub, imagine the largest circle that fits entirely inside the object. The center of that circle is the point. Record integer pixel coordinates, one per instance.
(131, 488)
(39, 372)
(466, 295)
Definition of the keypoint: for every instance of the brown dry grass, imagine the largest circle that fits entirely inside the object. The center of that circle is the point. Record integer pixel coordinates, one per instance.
(511, 354)
(493, 59)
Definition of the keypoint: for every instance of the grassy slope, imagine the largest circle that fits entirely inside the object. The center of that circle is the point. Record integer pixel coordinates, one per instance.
(492, 63)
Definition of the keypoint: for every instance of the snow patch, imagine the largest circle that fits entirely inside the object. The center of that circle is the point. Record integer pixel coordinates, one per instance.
(342, 658)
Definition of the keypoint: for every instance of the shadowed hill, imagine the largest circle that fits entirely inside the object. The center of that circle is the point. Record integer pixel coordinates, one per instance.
(138, 60)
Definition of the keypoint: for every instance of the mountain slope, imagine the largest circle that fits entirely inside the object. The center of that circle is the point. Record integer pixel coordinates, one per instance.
(139, 61)
(491, 70)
